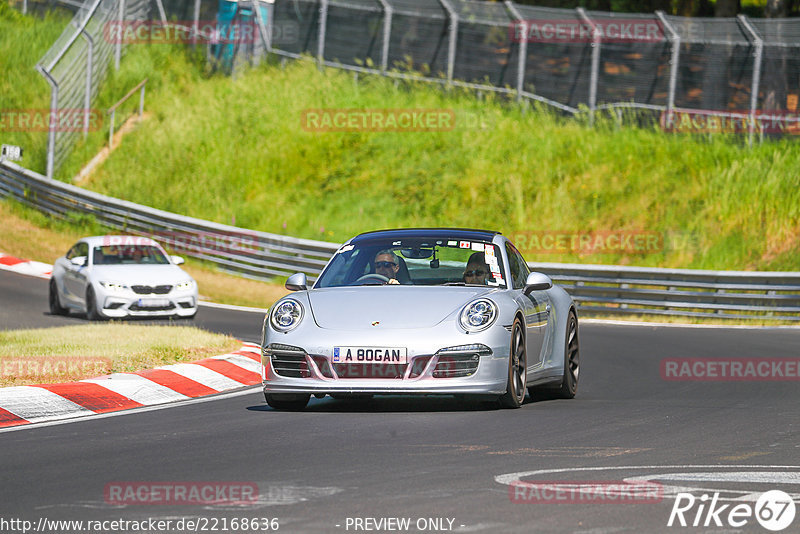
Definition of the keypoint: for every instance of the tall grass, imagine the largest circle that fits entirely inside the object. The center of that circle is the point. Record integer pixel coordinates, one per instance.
(23, 41)
(234, 150)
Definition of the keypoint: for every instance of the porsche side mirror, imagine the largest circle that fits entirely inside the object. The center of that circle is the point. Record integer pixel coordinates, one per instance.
(297, 282)
(537, 282)
(177, 260)
(78, 261)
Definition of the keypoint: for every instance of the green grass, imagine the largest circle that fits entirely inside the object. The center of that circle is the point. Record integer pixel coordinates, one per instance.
(75, 352)
(234, 150)
(23, 41)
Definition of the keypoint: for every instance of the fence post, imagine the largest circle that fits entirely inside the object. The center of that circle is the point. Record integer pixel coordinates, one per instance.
(453, 37)
(597, 39)
(161, 12)
(266, 35)
(195, 23)
(141, 99)
(754, 87)
(118, 49)
(675, 39)
(51, 127)
(323, 27)
(523, 47)
(24, 7)
(387, 32)
(87, 97)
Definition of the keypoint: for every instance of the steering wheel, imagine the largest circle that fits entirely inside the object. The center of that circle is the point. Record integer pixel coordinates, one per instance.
(373, 276)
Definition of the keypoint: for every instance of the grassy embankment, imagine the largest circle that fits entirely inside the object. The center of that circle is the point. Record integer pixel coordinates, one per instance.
(52, 355)
(235, 150)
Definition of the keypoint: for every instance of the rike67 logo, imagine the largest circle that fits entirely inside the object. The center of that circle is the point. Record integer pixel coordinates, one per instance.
(774, 510)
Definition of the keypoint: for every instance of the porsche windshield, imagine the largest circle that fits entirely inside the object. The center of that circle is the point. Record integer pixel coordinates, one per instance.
(416, 261)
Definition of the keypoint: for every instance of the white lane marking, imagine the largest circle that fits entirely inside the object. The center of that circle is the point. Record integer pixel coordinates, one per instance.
(240, 361)
(758, 477)
(203, 375)
(38, 404)
(247, 391)
(137, 388)
(210, 304)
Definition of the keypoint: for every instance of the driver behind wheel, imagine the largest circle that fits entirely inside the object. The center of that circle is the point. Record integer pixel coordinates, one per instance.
(387, 264)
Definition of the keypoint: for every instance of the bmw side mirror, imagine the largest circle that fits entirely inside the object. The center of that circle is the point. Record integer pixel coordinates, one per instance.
(178, 260)
(297, 282)
(537, 282)
(78, 261)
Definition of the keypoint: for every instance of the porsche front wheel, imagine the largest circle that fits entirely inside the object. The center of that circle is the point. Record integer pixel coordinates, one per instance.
(517, 369)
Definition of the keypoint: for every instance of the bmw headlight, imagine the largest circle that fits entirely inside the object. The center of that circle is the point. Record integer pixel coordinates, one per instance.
(183, 286)
(114, 287)
(286, 315)
(478, 315)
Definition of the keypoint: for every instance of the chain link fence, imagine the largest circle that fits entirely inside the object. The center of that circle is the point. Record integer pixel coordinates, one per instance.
(744, 72)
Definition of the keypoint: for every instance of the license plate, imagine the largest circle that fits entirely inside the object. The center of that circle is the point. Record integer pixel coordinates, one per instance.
(153, 303)
(383, 355)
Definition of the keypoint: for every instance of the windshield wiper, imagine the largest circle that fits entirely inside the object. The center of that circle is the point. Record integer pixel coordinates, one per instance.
(454, 284)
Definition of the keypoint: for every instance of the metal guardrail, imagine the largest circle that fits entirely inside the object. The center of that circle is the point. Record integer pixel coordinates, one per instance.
(248, 253)
(597, 289)
(608, 289)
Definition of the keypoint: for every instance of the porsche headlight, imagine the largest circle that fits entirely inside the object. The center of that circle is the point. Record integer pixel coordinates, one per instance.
(286, 315)
(114, 287)
(183, 286)
(478, 315)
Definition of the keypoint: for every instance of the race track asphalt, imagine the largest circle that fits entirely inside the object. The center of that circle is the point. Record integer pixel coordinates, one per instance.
(427, 459)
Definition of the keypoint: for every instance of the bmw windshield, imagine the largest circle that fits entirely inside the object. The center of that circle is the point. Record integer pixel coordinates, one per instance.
(415, 261)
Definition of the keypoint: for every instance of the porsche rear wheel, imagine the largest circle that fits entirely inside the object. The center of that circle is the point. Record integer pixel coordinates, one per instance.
(287, 402)
(572, 360)
(517, 369)
(55, 304)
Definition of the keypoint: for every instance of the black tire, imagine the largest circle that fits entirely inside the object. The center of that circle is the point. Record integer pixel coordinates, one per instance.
(91, 306)
(55, 303)
(287, 402)
(572, 360)
(517, 369)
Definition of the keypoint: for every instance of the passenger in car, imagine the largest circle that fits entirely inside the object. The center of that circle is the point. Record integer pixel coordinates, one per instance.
(476, 270)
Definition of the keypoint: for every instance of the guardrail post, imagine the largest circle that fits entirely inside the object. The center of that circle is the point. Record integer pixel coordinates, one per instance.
(387, 32)
(754, 86)
(675, 39)
(323, 26)
(453, 38)
(597, 39)
(523, 47)
(118, 49)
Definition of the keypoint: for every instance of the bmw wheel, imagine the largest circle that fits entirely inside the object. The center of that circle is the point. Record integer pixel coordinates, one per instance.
(517, 369)
(91, 306)
(55, 303)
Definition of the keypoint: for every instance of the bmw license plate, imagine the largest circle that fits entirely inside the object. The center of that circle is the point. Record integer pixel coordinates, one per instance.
(384, 355)
(153, 303)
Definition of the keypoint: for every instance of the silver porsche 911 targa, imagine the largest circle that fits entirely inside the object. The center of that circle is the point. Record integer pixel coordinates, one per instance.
(421, 312)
